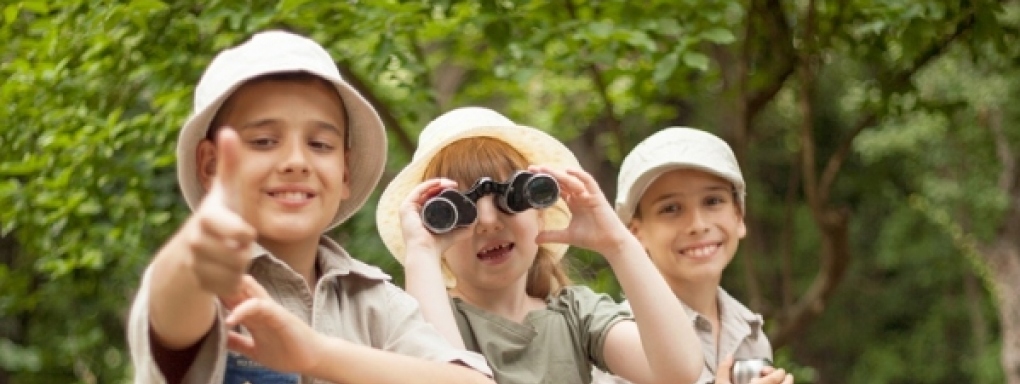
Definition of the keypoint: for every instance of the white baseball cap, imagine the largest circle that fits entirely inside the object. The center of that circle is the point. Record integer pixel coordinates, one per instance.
(669, 149)
(274, 52)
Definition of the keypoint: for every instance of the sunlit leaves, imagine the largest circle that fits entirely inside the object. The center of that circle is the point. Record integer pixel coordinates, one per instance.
(94, 94)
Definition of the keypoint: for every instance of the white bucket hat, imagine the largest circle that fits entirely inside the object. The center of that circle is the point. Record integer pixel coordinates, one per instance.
(536, 146)
(282, 52)
(669, 149)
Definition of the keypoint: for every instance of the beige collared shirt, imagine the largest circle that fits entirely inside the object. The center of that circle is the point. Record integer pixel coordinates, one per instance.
(352, 300)
(741, 336)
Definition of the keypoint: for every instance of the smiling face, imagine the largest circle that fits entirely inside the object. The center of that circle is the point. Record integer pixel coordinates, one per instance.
(691, 225)
(292, 171)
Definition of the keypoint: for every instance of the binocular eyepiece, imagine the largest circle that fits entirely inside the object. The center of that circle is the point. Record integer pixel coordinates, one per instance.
(524, 190)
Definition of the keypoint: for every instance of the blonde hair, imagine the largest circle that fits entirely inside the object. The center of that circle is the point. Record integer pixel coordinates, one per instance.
(467, 160)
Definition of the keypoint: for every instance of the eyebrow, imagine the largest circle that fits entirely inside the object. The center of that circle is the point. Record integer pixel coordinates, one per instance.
(671, 195)
(318, 124)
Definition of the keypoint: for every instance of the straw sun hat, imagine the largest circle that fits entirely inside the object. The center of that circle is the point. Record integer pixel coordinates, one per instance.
(538, 147)
(283, 52)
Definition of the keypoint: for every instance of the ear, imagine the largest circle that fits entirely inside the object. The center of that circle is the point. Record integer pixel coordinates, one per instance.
(635, 227)
(205, 158)
(345, 185)
(741, 226)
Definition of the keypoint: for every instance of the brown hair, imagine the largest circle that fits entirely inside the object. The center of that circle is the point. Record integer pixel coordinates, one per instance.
(736, 197)
(296, 77)
(466, 160)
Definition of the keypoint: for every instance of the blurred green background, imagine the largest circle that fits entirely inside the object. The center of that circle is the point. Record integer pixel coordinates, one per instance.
(877, 137)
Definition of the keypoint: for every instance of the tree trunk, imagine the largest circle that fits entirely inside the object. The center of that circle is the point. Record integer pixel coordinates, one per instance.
(1003, 259)
(1003, 256)
(1005, 270)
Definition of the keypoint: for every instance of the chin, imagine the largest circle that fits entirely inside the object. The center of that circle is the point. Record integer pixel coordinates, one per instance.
(290, 230)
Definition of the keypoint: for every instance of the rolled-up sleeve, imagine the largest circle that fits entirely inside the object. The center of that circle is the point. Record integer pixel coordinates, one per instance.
(209, 362)
(594, 314)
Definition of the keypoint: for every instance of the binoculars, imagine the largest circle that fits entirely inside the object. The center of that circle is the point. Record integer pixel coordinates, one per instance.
(524, 190)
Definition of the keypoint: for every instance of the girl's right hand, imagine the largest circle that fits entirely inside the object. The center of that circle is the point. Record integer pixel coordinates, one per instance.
(418, 240)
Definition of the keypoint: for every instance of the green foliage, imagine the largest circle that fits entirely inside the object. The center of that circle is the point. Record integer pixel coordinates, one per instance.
(94, 94)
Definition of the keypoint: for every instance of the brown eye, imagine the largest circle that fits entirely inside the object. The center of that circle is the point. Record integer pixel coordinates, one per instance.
(262, 143)
(321, 145)
(668, 209)
(715, 201)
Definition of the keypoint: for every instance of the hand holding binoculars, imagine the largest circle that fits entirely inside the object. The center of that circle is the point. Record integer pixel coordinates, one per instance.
(524, 190)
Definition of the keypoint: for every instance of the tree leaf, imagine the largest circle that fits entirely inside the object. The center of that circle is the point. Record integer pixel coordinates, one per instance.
(719, 36)
(696, 60)
(665, 67)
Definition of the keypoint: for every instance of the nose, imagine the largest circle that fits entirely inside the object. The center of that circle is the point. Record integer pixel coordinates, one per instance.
(698, 224)
(295, 158)
(488, 220)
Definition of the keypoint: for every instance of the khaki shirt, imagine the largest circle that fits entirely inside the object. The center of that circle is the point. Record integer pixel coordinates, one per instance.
(352, 301)
(556, 345)
(741, 336)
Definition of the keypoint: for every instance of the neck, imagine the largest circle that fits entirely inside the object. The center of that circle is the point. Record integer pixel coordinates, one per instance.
(702, 297)
(299, 255)
(511, 302)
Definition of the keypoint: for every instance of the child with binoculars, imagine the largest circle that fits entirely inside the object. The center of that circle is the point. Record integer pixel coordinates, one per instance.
(483, 258)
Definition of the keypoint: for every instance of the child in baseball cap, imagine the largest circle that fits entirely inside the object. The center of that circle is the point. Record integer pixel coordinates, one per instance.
(279, 149)
(681, 192)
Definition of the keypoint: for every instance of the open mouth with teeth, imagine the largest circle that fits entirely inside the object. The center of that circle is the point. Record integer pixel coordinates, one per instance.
(291, 196)
(701, 251)
(495, 253)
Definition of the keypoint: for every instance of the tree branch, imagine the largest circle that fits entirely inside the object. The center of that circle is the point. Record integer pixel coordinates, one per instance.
(781, 37)
(835, 260)
(807, 141)
(1008, 174)
(602, 89)
(391, 122)
(419, 54)
(787, 240)
(897, 81)
(807, 79)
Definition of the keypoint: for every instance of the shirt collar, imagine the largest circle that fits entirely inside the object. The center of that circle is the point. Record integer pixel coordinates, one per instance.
(332, 259)
(728, 308)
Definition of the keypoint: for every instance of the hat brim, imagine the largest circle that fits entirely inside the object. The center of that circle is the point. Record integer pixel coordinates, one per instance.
(366, 162)
(537, 147)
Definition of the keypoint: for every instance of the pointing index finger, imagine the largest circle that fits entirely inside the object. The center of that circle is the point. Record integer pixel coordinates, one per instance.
(226, 182)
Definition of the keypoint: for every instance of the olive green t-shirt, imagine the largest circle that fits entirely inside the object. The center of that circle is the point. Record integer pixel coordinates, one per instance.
(558, 344)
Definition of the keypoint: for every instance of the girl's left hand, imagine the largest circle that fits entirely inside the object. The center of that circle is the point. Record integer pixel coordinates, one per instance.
(594, 224)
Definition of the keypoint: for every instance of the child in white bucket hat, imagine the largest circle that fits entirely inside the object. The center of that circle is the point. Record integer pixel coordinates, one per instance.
(681, 192)
(495, 282)
(279, 149)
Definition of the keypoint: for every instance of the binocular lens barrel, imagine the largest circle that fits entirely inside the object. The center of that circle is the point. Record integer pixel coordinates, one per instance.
(542, 191)
(439, 215)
